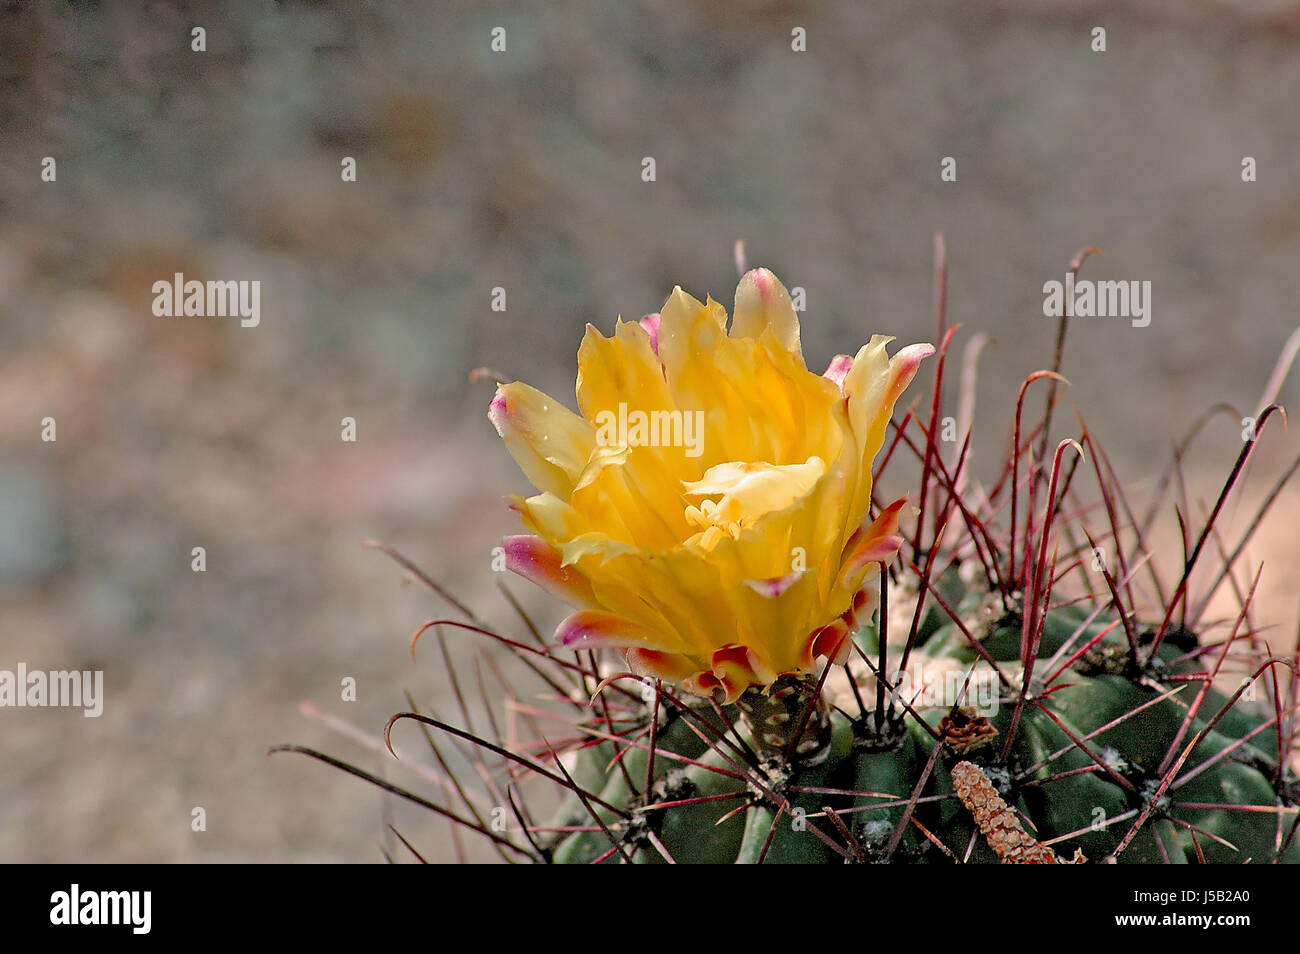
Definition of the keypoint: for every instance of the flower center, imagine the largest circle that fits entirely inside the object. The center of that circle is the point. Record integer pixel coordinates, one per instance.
(745, 491)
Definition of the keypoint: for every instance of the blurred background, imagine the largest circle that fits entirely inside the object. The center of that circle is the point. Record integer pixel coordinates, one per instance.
(522, 169)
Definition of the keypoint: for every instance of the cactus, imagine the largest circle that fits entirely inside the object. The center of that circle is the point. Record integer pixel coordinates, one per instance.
(1008, 694)
(1125, 754)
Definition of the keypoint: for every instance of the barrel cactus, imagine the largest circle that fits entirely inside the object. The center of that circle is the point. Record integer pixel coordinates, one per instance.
(769, 661)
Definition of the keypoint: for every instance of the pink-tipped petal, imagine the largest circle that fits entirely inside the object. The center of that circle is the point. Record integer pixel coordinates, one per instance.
(550, 443)
(762, 303)
(596, 629)
(651, 325)
(732, 666)
(877, 544)
(839, 369)
(861, 599)
(903, 367)
(775, 586)
(705, 685)
(497, 411)
(833, 642)
(537, 561)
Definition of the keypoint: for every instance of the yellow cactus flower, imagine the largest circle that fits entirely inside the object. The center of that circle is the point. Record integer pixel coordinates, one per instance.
(706, 512)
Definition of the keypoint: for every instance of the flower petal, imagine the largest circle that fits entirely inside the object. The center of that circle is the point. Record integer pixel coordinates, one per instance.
(688, 327)
(878, 543)
(651, 325)
(706, 685)
(672, 667)
(762, 303)
(595, 629)
(832, 642)
(838, 369)
(622, 369)
(750, 490)
(872, 387)
(550, 443)
(774, 586)
(734, 670)
(536, 560)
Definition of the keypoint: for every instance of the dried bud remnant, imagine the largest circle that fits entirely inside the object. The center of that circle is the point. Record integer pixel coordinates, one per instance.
(963, 729)
(998, 823)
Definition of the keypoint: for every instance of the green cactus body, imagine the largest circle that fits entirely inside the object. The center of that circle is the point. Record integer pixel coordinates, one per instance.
(1061, 795)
